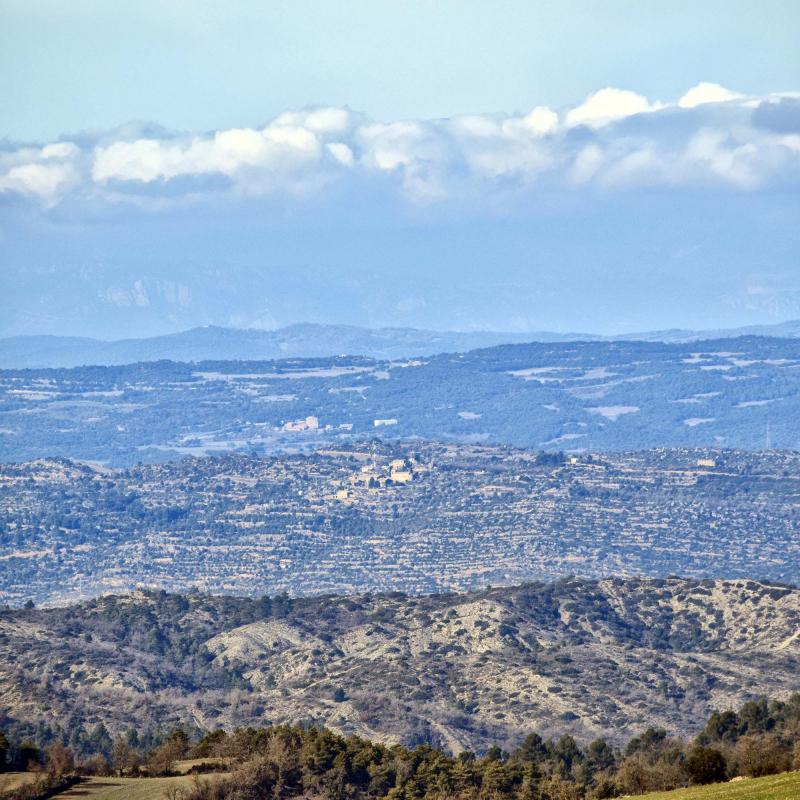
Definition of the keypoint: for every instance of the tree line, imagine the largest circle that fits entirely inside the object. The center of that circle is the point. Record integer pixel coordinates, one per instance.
(761, 738)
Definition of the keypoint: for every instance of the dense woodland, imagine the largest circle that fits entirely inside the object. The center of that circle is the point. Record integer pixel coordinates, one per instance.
(762, 738)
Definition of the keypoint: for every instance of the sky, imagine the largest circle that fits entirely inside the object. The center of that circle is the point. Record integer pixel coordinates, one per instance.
(602, 166)
(95, 64)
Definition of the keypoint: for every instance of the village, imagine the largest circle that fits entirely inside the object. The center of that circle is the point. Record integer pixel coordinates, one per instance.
(415, 517)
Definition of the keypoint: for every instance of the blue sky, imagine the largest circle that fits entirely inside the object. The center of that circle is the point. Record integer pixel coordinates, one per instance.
(197, 65)
(612, 167)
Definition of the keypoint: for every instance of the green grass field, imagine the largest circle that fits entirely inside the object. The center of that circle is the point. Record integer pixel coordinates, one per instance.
(774, 787)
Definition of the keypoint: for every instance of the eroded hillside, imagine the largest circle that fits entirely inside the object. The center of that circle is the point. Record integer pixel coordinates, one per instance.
(460, 670)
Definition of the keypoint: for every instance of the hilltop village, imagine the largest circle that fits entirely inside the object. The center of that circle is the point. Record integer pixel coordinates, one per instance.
(416, 517)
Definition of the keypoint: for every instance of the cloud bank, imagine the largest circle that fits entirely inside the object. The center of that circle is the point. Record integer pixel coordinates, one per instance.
(615, 140)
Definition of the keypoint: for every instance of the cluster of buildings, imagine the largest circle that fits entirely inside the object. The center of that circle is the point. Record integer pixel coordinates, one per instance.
(308, 424)
(374, 476)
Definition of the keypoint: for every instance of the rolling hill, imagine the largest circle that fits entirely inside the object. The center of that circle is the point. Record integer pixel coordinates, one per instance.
(570, 396)
(590, 658)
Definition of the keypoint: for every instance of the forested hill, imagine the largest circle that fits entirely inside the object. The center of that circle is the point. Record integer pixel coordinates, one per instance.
(574, 396)
(463, 671)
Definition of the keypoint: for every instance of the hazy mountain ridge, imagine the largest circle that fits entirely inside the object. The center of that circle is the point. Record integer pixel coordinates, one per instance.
(592, 658)
(211, 343)
(307, 340)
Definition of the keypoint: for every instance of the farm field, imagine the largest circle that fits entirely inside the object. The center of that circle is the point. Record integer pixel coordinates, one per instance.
(99, 788)
(772, 787)
(14, 780)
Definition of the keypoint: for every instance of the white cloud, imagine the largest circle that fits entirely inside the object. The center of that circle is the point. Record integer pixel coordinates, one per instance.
(43, 173)
(321, 120)
(541, 121)
(713, 151)
(277, 148)
(44, 181)
(417, 152)
(690, 143)
(142, 160)
(475, 125)
(60, 150)
(707, 93)
(341, 152)
(608, 105)
(396, 144)
(507, 156)
(641, 167)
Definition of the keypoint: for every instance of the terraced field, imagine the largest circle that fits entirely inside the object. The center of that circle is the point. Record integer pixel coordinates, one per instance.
(454, 518)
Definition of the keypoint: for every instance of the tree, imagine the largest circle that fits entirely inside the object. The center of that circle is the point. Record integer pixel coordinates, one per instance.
(600, 754)
(755, 717)
(558, 789)
(760, 755)
(566, 754)
(173, 748)
(60, 760)
(124, 759)
(633, 775)
(705, 765)
(99, 741)
(721, 727)
(25, 756)
(650, 740)
(211, 744)
(533, 749)
(495, 780)
(94, 765)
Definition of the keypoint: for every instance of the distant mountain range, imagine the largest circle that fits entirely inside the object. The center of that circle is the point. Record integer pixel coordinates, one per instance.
(212, 343)
(788, 330)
